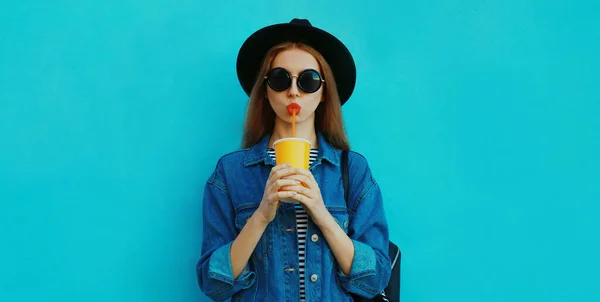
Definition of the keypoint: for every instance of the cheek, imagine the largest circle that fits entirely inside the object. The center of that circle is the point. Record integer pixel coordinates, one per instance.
(269, 94)
(275, 97)
(316, 98)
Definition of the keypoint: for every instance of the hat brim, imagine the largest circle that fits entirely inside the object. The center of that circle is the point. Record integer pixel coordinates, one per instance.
(254, 49)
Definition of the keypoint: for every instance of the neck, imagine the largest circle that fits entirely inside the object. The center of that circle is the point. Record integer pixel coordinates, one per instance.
(305, 130)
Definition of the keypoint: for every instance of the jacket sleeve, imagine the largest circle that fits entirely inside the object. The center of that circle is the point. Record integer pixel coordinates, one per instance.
(368, 230)
(214, 270)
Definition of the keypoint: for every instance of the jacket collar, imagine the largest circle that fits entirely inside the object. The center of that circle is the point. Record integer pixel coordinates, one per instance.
(258, 153)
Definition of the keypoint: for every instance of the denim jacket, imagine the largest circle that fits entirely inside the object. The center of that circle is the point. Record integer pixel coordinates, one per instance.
(233, 193)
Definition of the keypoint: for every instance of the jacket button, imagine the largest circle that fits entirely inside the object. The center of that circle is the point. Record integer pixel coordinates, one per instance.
(314, 238)
(314, 277)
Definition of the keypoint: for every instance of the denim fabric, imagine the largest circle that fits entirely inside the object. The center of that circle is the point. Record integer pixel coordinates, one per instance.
(232, 194)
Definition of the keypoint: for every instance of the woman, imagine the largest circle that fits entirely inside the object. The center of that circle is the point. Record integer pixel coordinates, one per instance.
(319, 247)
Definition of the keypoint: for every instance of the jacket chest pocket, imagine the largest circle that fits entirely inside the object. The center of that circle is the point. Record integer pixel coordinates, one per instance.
(262, 247)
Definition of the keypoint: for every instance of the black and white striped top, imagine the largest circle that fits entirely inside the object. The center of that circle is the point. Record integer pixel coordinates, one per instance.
(301, 223)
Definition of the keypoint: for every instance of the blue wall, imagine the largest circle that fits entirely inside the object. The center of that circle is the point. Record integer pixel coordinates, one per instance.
(114, 113)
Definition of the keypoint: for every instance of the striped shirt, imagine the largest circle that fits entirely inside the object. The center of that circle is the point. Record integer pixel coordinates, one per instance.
(301, 223)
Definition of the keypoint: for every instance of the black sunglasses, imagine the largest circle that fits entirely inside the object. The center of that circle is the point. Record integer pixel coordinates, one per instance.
(280, 79)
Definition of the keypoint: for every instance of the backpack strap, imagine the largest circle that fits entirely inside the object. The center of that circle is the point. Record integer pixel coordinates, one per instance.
(395, 248)
(345, 173)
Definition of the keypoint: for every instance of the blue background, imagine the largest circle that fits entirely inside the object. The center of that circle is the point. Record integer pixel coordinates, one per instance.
(479, 120)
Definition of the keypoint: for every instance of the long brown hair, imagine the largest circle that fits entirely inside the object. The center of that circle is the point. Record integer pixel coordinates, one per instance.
(260, 117)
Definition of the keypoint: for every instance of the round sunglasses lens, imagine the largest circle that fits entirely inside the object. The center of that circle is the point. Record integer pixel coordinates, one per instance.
(309, 81)
(279, 79)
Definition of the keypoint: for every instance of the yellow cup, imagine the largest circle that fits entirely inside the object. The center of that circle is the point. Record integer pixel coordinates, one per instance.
(292, 150)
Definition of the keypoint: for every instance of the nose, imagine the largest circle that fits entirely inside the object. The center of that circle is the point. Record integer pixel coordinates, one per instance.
(293, 91)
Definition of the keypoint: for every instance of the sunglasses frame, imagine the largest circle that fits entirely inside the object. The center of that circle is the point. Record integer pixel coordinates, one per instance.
(290, 76)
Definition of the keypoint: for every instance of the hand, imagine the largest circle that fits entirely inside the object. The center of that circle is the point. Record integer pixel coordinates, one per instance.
(271, 197)
(308, 194)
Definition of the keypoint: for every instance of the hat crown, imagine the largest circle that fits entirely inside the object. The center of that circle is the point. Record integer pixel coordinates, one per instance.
(302, 22)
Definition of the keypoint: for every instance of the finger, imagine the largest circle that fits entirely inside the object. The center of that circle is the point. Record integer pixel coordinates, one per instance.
(284, 195)
(310, 183)
(282, 173)
(305, 172)
(278, 174)
(278, 184)
(279, 167)
(303, 199)
(300, 190)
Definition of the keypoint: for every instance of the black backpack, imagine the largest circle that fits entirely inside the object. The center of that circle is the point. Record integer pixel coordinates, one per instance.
(392, 292)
